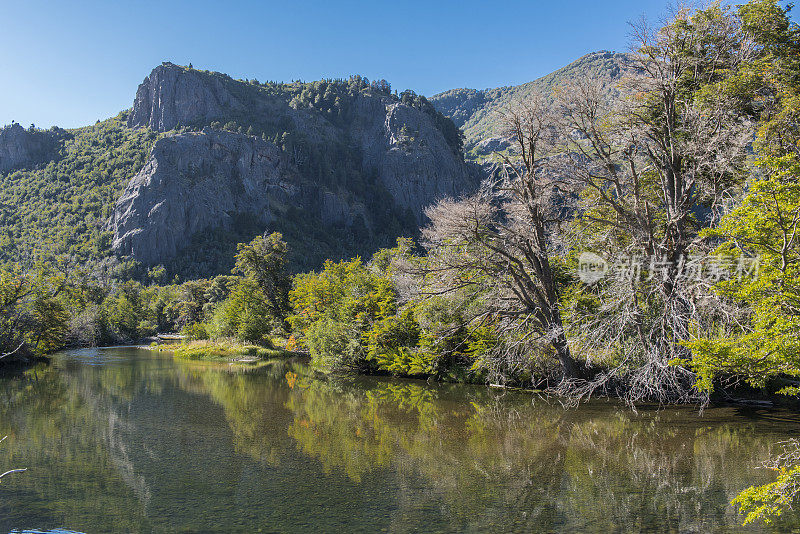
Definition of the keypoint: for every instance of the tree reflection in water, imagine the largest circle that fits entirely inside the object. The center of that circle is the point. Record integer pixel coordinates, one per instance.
(494, 459)
(147, 443)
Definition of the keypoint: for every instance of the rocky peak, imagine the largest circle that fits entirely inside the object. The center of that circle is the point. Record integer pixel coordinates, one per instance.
(344, 155)
(173, 95)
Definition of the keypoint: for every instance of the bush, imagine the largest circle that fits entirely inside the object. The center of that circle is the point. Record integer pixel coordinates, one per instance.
(195, 331)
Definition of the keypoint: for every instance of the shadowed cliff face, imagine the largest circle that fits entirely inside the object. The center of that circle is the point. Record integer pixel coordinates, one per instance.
(409, 155)
(194, 181)
(397, 161)
(24, 148)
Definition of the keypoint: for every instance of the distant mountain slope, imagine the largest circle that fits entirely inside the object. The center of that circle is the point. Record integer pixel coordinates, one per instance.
(203, 161)
(476, 112)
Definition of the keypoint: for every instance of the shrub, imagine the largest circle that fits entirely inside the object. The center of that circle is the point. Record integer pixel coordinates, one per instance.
(195, 331)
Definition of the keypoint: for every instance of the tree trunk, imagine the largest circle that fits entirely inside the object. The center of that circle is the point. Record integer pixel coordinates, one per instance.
(570, 367)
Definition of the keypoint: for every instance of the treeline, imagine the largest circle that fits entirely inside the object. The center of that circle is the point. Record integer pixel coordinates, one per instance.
(58, 304)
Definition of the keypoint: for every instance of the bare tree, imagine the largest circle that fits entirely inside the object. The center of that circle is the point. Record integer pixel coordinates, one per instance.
(495, 243)
(650, 167)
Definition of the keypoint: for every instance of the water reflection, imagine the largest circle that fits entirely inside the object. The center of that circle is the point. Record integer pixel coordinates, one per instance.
(142, 443)
(495, 459)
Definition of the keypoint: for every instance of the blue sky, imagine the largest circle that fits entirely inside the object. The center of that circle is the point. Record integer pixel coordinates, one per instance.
(71, 63)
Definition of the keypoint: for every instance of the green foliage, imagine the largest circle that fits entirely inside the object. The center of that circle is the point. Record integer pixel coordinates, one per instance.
(195, 331)
(63, 205)
(350, 317)
(245, 315)
(392, 343)
(122, 312)
(333, 309)
(762, 343)
(263, 261)
(765, 344)
(765, 224)
(768, 502)
(33, 312)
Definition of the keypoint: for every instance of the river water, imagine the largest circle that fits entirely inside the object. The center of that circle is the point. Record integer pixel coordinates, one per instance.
(129, 440)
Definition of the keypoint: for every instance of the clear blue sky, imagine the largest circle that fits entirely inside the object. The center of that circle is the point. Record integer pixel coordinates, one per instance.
(71, 63)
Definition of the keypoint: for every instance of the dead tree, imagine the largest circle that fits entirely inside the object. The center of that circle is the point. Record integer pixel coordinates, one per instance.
(497, 244)
(650, 166)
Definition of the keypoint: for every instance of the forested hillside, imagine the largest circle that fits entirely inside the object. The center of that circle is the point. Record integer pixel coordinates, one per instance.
(353, 167)
(60, 203)
(479, 112)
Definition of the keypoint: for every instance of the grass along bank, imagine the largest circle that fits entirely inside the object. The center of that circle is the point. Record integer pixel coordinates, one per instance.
(225, 350)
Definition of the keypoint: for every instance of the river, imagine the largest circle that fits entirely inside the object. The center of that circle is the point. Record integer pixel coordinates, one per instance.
(130, 440)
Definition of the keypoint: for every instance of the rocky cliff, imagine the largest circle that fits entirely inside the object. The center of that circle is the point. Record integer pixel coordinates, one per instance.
(344, 153)
(194, 181)
(172, 95)
(25, 148)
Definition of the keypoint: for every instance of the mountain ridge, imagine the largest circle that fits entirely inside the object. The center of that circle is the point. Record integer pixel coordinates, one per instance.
(475, 111)
(358, 165)
(398, 145)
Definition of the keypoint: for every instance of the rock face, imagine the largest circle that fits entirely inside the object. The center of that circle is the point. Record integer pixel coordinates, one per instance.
(409, 155)
(24, 148)
(195, 181)
(172, 95)
(200, 180)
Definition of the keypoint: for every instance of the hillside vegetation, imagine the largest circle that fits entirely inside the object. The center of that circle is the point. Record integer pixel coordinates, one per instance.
(61, 202)
(478, 112)
(61, 206)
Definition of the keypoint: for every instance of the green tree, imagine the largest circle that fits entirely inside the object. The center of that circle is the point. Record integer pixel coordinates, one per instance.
(245, 315)
(263, 260)
(761, 344)
(334, 309)
(33, 312)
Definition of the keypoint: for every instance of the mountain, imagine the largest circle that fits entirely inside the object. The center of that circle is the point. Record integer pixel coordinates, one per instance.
(477, 111)
(202, 161)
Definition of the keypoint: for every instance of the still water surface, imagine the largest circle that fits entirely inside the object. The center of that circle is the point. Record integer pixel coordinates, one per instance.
(128, 440)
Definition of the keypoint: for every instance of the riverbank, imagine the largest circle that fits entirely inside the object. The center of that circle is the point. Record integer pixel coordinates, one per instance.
(224, 350)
